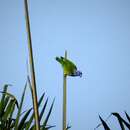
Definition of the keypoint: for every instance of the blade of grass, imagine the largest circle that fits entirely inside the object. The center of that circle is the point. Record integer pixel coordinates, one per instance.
(2, 105)
(11, 119)
(48, 115)
(20, 108)
(22, 122)
(127, 116)
(9, 110)
(101, 123)
(49, 127)
(104, 124)
(121, 121)
(43, 127)
(32, 116)
(11, 96)
(43, 110)
(6, 100)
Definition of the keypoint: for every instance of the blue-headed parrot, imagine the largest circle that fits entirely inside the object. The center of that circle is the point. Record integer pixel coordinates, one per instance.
(69, 67)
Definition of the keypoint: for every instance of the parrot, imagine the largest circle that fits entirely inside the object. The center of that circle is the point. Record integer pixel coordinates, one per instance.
(69, 67)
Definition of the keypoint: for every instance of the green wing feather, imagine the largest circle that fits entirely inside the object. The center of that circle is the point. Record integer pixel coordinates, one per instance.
(68, 66)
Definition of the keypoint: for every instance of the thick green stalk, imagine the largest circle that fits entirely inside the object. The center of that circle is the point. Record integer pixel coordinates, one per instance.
(64, 97)
(32, 70)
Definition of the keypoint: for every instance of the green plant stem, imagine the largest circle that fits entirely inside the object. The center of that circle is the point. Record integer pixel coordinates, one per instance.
(33, 80)
(64, 97)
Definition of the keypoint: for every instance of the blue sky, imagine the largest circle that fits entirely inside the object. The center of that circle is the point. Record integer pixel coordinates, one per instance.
(96, 35)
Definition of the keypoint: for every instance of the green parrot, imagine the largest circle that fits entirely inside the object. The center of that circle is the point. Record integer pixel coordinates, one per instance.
(69, 67)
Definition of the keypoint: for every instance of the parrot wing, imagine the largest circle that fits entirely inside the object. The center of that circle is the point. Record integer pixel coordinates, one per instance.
(68, 66)
(69, 63)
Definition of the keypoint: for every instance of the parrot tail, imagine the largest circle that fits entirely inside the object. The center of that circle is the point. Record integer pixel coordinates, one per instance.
(59, 60)
(62, 57)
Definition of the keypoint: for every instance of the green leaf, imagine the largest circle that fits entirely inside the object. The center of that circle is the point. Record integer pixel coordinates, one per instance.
(121, 121)
(28, 124)
(22, 122)
(48, 115)
(32, 116)
(8, 110)
(2, 105)
(47, 127)
(11, 96)
(43, 109)
(20, 108)
(104, 124)
(127, 116)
